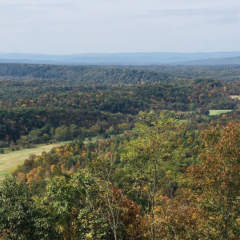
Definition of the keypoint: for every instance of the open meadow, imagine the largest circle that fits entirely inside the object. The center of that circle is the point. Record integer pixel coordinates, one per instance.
(219, 112)
(10, 161)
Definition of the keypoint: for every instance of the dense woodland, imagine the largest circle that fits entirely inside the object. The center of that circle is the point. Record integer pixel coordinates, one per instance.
(146, 159)
(38, 102)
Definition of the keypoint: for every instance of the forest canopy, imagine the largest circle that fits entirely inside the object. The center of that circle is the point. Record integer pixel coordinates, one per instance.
(152, 153)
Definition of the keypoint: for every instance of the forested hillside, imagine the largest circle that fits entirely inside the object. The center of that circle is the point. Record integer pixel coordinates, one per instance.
(119, 74)
(36, 101)
(153, 152)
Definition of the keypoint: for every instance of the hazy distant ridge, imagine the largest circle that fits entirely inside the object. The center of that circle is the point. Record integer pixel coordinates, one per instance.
(214, 58)
(215, 62)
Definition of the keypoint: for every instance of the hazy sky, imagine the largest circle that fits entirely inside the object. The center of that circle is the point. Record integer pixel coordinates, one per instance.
(83, 26)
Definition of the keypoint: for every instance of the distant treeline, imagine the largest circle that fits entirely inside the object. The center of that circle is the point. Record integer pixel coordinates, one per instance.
(120, 74)
(84, 74)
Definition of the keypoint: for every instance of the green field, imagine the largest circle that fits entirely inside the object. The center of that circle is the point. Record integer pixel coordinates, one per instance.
(11, 160)
(218, 112)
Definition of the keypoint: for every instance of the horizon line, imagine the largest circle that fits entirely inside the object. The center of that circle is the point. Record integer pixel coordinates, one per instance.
(113, 53)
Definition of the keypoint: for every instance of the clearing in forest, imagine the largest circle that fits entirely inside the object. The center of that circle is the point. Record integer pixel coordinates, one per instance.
(218, 112)
(10, 161)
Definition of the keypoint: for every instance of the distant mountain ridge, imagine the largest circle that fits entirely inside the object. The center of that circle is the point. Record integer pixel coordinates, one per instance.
(215, 62)
(161, 58)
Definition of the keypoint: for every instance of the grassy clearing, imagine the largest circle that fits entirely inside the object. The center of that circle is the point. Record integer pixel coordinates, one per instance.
(11, 160)
(237, 97)
(218, 112)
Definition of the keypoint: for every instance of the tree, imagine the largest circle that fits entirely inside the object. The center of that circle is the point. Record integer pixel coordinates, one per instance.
(21, 218)
(76, 207)
(146, 160)
(62, 133)
(122, 214)
(207, 204)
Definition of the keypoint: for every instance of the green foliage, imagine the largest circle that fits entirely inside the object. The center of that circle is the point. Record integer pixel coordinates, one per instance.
(108, 97)
(158, 154)
(21, 218)
(151, 175)
(161, 180)
(207, 204)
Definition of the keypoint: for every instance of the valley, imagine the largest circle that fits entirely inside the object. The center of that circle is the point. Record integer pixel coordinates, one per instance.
(119, 152)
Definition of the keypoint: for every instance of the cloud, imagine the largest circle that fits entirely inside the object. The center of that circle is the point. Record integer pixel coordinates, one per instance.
(24, 3)
(118, 25)
(192, 12)
(210, 15)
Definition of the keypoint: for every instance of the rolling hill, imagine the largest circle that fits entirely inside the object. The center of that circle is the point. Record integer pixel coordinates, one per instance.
(215, 62)
(158, 58)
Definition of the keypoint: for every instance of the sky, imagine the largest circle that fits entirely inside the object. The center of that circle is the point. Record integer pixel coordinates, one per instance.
(113, 26)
